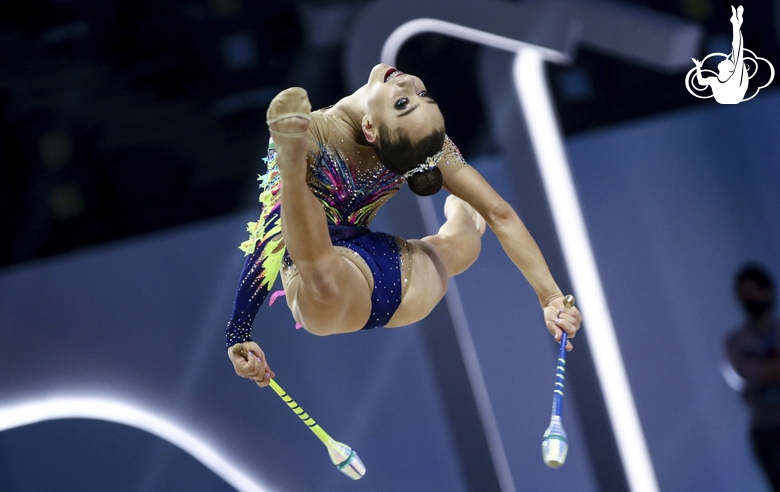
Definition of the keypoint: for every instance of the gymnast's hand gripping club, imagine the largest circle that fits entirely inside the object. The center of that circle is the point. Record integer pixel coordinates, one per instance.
(555, 445)
(344, 457)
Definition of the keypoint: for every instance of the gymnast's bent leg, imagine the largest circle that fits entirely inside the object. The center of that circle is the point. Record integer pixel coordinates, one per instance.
(436, 258)
(330, 295)
(459, 240)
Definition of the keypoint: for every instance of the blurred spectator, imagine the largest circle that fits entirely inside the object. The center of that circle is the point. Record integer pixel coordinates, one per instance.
(754, 351)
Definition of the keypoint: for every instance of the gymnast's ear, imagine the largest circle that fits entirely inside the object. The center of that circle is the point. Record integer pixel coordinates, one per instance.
(369, 130)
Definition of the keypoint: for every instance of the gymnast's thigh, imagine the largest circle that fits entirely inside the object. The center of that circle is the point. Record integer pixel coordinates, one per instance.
(427, 284)
(346, 311)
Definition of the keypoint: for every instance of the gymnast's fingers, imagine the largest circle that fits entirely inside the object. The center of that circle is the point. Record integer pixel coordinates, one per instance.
(254, 366)
(568, 323)
(574, 313)
(557, 332)
(261, 372)
(269, 373)
(246, 361)
(572, 310)
(240, 364)
(550, 315)
(263, 379)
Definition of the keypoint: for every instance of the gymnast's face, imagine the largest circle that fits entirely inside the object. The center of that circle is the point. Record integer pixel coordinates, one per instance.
(400, 102)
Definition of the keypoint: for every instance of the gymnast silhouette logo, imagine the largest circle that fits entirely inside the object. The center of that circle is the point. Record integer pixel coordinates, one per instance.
(730, 84)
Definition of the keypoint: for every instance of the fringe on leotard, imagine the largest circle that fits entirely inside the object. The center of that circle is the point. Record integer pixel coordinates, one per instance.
(264, 251)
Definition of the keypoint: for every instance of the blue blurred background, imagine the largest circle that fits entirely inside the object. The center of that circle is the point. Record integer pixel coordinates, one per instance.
(130, 137)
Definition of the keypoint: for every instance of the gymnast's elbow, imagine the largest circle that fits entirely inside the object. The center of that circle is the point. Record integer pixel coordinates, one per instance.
(500, 214)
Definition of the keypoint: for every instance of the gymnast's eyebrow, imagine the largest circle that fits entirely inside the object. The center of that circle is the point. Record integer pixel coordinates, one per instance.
(413, 108)
(409, 110)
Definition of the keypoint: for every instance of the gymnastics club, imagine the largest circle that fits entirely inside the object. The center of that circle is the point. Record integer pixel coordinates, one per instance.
(555, 445)
(344, 457)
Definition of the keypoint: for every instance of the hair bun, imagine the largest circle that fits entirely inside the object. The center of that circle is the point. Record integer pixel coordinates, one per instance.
(426, 183)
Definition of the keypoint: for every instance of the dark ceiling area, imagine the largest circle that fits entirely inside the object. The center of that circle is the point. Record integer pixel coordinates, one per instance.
(120, 117)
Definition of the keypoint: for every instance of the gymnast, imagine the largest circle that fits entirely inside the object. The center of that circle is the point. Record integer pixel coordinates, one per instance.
(731, 84)
(328, 173)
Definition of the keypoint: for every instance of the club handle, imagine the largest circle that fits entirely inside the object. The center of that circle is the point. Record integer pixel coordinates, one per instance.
(292, 404)
(568, 302)
(560, 371)
(305, 417)
(344, 457)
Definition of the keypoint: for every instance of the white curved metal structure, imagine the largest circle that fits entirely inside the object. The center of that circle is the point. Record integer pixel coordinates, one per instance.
(99, 408)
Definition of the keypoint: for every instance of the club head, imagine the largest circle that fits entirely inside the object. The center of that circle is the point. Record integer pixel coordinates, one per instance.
(346, 460)
(555, 445)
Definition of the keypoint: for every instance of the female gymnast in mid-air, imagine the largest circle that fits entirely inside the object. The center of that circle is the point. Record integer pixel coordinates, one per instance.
(329, 171)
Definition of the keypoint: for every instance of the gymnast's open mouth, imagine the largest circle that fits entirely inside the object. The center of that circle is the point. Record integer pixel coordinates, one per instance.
(393, 72)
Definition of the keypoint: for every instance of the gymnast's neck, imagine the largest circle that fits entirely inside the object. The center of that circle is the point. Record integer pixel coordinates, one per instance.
(351, 109)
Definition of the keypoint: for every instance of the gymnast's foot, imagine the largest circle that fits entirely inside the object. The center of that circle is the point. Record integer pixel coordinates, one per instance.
(454, 204)
(736, 15)
(288, 119)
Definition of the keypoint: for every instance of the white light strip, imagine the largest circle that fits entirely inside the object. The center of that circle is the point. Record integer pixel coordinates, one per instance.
(537, 107)
(17, 415)
(470, 358)
(418, 26)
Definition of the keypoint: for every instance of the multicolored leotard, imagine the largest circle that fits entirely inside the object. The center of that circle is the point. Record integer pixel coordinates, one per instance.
(351, 184)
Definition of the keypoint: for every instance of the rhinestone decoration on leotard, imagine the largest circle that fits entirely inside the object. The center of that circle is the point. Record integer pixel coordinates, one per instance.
(348, 195)
(263, 256)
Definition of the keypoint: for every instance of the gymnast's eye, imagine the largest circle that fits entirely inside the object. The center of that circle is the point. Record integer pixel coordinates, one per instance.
(401, 103)
(424, 93)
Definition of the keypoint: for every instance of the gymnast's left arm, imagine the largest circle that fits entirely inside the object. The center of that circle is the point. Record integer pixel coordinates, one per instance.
(466, 183)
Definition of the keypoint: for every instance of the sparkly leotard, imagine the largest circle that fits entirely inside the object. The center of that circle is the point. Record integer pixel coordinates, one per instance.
(351, 184)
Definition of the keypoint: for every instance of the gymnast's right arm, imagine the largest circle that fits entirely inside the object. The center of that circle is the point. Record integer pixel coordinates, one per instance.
(250, 295)
(466, 183)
